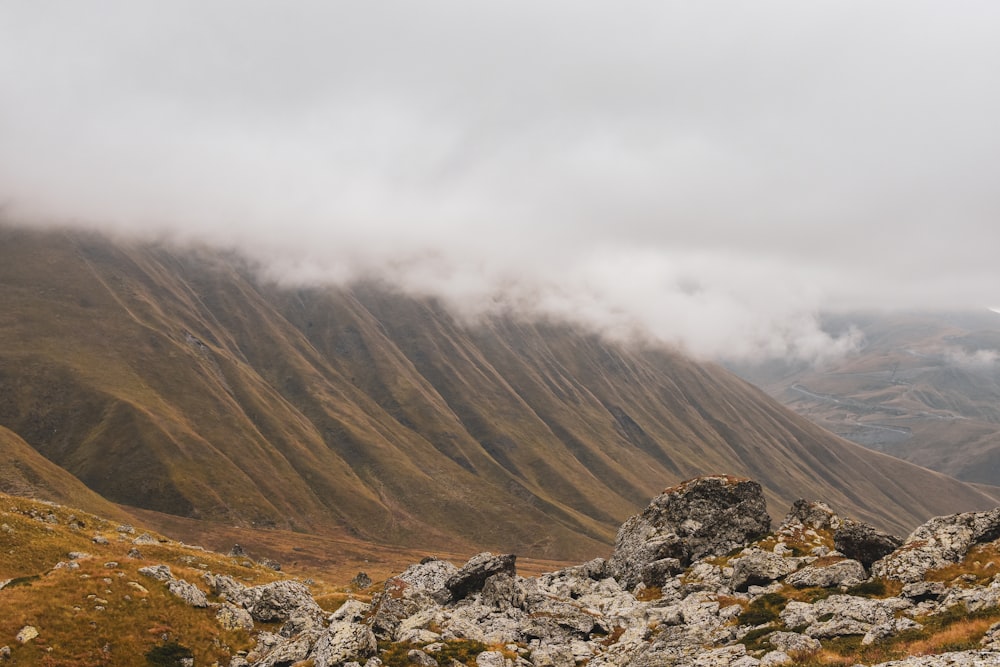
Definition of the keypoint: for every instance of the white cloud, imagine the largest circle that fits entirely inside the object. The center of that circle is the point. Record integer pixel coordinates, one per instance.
(709, 173)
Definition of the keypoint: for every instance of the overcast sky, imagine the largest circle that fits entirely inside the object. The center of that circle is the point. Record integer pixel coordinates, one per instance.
(715, 173)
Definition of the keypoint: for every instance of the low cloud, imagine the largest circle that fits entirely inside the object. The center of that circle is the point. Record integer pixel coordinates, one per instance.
(971, 359)
(710, 174)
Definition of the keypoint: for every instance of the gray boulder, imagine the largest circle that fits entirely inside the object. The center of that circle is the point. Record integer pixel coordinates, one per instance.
(760, 568)
(863, 542)
(842, 573)
(278, 600)
(342, 642)
(187, 592)
(471, 577)
(705, 516)
(810, 514)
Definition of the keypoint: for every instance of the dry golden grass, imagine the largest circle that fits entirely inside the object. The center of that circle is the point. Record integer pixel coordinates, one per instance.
(102, 611)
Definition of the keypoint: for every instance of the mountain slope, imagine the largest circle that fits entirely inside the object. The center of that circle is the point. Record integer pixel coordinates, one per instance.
(178, 381)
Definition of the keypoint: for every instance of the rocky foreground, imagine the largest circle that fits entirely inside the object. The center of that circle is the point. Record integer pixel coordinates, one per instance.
(697, 578)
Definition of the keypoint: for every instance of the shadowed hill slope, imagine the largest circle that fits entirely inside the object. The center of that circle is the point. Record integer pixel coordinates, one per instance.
(177, 381)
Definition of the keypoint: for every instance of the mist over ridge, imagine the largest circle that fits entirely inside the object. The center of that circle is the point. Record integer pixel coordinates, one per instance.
(708, 176)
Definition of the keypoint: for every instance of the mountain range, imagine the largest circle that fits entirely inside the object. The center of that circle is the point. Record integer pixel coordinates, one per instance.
(179, 382)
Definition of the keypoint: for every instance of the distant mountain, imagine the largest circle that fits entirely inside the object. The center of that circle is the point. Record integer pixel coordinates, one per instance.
(178, 381)
(925, 387)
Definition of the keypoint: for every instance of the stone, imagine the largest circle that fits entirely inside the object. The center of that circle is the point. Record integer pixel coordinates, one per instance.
(759, 568)
(224, 586)
(342, 642)
(889, 628)
(809, 514)
(145, 538)
(492, 659)
(471, 577)
(26, 634)
(99, 539)
(187, 592)
(361, 581)
(231, 617)
(705, 516)
(421, 659)
(503, 591)
(920, 591)
(775, 658)
(278, 600)
(353, 611)
(842, 573)
(158, 572)
(655, 574)
(863, 542)
(793, 642)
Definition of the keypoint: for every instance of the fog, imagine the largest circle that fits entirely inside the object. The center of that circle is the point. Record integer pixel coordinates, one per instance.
(712, 175)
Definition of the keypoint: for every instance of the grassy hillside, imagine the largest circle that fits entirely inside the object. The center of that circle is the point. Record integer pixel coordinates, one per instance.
(176, 381)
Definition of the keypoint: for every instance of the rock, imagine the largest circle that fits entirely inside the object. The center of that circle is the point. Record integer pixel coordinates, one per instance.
(939, 542)
(352, 611)
(278, 600)
(991, 640)
(863, 542)
(99, 539)
(126, 528)
(794, 642)
(231, 617)
(225, 587)
(145, 538)
(421, 588)
(342, 642)
(134, 553)
(269, 563)
(655, 574)
(79, 555)
(361, 581)
(888, 629)
(842, 573)
(419, 658)
(237, 552)
(503, 591)
(706, 516)
(471, 577)
(492, 659)
(775, 658)
(759, 568)
(187, 592)
(920, 591)
(27, 633)
(158, 572)
(809, 514)
(4, 653)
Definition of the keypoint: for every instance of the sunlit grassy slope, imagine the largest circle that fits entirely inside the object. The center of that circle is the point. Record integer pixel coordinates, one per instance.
(178, 381)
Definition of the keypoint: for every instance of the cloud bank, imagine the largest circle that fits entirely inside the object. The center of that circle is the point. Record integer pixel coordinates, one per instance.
(709, 174)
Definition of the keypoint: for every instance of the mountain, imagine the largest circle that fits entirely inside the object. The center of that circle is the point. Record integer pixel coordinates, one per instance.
(177, 380)
(924, 387)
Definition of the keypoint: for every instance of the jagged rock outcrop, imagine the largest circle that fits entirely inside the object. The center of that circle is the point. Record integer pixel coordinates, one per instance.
(670, 595)
(701, 517)
(939, 542)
